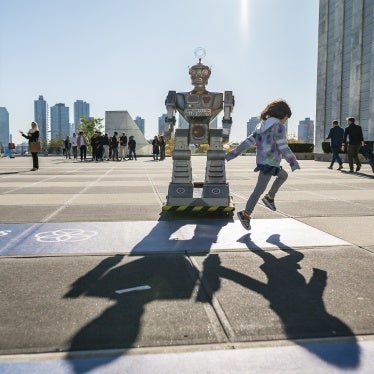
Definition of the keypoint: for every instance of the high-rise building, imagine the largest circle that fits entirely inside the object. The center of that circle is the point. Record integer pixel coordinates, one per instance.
(41, 116)
(4, 126)
(140, 123)
(214, 123)
(251, 124)
(81, 109)
(163, 126)
(305, 131)
(60, 126)
(182, 123)
(345, 74)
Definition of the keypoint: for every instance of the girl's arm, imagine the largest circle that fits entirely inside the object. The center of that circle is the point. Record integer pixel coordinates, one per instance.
(245, 144)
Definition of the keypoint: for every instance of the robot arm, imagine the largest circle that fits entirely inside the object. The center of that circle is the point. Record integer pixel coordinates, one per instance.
(170, 107)
(227, 120)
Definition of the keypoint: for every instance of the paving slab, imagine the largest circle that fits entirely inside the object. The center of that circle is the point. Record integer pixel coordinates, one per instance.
(356, 230)
(71, 303)
(292, 294)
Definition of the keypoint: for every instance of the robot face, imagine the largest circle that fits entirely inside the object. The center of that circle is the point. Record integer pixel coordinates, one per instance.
(199, 75)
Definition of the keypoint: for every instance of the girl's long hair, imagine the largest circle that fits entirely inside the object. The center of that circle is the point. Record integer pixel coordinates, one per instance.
(277, 108)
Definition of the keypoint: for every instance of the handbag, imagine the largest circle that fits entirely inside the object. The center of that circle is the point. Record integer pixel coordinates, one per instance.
(35, 147)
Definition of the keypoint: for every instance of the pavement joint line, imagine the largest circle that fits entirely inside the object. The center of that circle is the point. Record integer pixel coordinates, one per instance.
(220, 314)
(75, 196)
(29, 185)
(210, 311)
(154, 189)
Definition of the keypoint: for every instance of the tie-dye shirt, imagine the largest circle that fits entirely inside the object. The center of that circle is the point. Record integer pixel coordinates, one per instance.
(270, 139)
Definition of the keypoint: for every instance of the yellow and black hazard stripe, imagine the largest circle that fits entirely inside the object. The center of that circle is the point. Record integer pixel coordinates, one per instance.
(194, 208)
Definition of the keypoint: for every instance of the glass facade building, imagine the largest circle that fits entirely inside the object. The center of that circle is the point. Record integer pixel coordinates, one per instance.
(60, 126)
(140, 122)
(345, 73)
(81, 109)
(4, 126)
(41, 117)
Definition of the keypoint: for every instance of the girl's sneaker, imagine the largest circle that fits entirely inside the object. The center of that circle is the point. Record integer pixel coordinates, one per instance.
(269, 202)
(246, 222)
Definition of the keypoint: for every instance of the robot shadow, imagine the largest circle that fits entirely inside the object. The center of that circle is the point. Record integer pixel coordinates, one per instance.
(298, 303)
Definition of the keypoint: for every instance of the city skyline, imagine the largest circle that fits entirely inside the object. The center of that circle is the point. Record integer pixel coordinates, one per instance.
(128, 59)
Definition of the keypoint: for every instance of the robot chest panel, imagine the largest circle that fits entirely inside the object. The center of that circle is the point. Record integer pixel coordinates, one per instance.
(200, 104)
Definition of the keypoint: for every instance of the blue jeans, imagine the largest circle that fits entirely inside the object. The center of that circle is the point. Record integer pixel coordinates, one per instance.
(335, 156)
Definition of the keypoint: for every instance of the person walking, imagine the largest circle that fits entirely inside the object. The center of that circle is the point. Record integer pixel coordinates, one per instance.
(106, 147)
(33, 137)
(67, 146)
(123, 145)
(114, 144)
(162, 148)
(132, 147)
(353, 132)
(82, 144)
(155, 148)
(336, 136)
(74, 146)
(270, 139)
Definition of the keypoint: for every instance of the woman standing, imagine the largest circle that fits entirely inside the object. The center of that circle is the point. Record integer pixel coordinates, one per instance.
(33, 136)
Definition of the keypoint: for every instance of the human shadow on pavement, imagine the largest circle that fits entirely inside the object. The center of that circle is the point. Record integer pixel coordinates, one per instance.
(169, 277)
(298, 303)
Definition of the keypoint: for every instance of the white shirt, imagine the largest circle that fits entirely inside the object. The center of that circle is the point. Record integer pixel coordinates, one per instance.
(74, 141)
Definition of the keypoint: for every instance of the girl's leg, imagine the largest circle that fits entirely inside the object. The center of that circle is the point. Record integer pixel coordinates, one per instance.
(262, 182)
(280, 179)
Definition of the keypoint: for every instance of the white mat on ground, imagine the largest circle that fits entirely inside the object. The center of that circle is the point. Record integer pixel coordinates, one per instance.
(141, 237)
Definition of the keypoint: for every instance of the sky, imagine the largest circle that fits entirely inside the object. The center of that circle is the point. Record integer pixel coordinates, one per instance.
(127, 55)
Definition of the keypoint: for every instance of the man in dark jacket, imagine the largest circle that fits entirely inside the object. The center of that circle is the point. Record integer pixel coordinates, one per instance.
(356, 140)
(336, 135)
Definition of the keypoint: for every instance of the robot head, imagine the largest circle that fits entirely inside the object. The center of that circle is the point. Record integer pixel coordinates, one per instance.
(200, 74)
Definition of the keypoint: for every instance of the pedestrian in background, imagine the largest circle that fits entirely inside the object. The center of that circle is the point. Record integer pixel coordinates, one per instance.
(336, 136)
(67, 146)
(271, 143)
(33, 136)
(132, 148)
(82, 144)
(123, 145)
(114, 144)
(106, 147)
(162, 148)
(155, 148)
(74, 145)
(353, 132)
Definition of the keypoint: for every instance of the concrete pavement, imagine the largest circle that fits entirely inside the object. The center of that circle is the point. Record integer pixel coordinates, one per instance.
(90, 268)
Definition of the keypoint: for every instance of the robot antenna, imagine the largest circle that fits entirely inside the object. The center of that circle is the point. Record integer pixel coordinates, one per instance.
(200, 53)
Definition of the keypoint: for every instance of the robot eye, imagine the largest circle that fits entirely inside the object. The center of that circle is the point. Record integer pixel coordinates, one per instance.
(205, 72)
(193, 73)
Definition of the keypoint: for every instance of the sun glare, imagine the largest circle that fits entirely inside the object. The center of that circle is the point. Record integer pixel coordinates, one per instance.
(244, 18)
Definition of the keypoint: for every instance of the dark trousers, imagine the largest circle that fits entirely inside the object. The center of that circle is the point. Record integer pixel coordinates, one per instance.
(352, 154)
(83, 150)
(35, 160)
(335, 156)
(75, 152)
(132, 154)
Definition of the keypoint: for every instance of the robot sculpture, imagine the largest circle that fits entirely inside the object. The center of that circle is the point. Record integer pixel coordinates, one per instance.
(199, 108)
